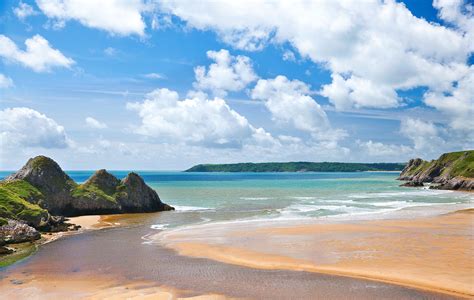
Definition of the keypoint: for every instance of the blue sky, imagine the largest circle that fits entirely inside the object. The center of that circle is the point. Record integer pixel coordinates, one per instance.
(166, 85)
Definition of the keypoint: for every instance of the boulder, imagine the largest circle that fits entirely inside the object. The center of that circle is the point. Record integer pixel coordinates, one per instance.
(412, 184)
(18, 232)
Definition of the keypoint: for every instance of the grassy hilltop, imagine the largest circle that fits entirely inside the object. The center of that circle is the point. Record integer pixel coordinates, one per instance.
(297, 167)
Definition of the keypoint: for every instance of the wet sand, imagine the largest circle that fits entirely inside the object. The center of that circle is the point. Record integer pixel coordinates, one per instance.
(435, 253)
(122, 262)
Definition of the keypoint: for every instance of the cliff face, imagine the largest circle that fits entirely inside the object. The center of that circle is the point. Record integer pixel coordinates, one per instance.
(47, 176)
(452, 171)
(42, 188)
(136, 195)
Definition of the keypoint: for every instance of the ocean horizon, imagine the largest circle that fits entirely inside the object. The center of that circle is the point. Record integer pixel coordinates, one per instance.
(283, 196)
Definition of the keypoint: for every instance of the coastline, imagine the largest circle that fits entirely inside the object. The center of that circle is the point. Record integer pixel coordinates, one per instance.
(87, 223)
(430, 253)
(85, 280)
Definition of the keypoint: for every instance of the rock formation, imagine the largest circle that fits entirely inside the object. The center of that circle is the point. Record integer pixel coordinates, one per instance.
(41, 189)
(17, 232)
(451, 171)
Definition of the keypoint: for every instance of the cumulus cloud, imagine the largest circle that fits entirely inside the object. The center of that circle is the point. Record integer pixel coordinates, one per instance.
(372, 48)
(38, 55)
(25, 127)
(386, 151)
(5, 82)
(457, 104)
(458, 13)
(358, 92)
(114, 16)
(195, 121)
(425, 135)
(290, 104)
(227, 73)
(93, 123)
(23, 10)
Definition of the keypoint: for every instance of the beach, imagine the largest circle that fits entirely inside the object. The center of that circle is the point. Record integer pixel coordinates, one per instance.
(270, 236)
(309, 260)
(434, 253)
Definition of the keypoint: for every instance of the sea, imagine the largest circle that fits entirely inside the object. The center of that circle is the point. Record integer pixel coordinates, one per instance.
(246, 197)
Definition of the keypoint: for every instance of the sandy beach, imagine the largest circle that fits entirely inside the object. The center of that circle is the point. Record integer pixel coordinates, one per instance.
(126, 262)
(434, 253)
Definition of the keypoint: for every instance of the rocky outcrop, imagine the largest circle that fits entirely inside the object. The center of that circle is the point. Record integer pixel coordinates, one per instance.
(451, 171)
(17, 232)
(412, 184)
(56, 193)
(47, 176)
(104, 181)
(456, 183)
(135, 195)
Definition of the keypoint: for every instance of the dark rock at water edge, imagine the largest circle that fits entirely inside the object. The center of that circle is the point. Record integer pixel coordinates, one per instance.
(451, 171)
(412, 184)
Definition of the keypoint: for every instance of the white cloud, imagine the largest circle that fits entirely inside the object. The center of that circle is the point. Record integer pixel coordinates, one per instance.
(24, 10)
(290, 104)
(110, 51)
(358, 92)
(227, 73)
(425, 135)
(387, 151)
(114, 16)
(5, 82)
(458, 104)
(154, 76)
(379, 47)
(25, 127)
(195, 121)
(93, 123)
(289, 55)
(458, 13)
(38, 55)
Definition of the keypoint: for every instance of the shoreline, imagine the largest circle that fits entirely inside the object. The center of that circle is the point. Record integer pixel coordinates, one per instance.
(250, 248)
(27, 249)
(256, 258)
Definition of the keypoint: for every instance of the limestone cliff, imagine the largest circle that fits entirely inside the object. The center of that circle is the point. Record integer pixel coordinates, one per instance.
(451, 171)
(41, 189)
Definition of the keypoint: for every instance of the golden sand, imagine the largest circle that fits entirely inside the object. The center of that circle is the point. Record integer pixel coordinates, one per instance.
(434, 253)
(90, 287)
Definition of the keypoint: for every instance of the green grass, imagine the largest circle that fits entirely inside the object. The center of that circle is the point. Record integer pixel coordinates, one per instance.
(3, 221)
(424, 165)
(91, 191)
(23, 250)
(463, 163)
(14, 202)
(452, 164)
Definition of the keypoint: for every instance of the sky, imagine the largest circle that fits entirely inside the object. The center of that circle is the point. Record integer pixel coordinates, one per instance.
(164, 85)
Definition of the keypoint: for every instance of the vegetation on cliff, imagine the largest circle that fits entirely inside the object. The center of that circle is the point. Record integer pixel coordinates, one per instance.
(41, 188)
(453, 170)
(297, 167)
(20, 200)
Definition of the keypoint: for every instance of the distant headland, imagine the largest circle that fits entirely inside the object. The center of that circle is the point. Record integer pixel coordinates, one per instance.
(298, 167)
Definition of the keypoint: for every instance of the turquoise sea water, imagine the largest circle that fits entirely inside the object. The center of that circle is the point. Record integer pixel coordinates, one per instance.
(208, 197)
